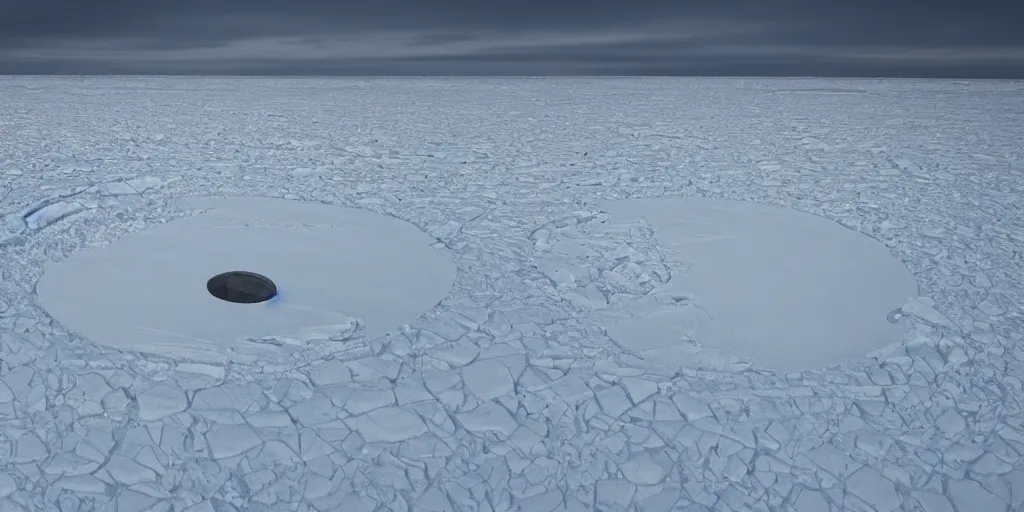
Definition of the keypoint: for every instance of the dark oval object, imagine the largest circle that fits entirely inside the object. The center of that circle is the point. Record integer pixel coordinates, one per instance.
(241, 287)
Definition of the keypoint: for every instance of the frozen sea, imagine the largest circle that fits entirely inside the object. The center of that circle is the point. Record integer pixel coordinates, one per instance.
(527, 295)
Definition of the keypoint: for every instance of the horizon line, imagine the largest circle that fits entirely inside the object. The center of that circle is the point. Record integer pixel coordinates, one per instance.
(491, 76)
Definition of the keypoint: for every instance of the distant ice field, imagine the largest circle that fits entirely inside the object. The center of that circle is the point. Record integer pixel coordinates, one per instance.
(512, 294)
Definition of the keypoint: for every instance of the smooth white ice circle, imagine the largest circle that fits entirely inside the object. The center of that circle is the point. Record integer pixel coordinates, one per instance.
(146, 292)
(786, 289)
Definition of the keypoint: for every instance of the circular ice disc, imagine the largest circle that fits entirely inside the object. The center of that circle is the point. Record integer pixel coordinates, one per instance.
(331, 268)
(785, 289)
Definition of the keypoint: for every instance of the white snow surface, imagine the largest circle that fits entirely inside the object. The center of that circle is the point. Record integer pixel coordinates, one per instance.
(336, 269)
(518, 382)
(787, 289)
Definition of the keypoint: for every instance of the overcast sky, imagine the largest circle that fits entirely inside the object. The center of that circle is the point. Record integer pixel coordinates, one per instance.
(965, 38)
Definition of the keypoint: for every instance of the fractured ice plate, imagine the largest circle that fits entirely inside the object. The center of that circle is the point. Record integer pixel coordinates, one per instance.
(333, 266)
(786, 289)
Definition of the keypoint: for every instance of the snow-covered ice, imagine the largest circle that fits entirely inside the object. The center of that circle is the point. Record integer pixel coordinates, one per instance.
(333, 266)
(493, 298)
(787, 289)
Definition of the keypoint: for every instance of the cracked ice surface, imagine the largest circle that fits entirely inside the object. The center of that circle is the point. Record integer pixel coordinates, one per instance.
(511, 393)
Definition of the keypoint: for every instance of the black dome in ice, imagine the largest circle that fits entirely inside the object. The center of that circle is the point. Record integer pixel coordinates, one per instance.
(241, 287)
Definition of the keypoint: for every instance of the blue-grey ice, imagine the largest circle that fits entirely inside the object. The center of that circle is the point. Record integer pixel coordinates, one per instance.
(512, 295)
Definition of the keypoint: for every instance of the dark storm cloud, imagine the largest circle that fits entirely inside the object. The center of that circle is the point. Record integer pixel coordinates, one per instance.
(467, 37)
